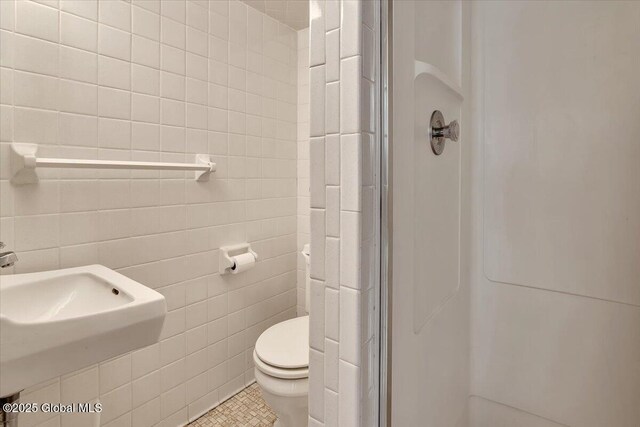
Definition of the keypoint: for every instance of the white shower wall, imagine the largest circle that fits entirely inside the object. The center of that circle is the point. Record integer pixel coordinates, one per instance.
(156, 80)
(550, 214)
(556, 277)
(430, 327)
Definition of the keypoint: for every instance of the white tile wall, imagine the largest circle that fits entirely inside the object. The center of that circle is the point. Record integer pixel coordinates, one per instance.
(160, 80)
(343, 215)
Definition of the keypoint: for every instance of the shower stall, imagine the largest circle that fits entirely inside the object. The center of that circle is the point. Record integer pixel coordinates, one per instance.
(512, 288)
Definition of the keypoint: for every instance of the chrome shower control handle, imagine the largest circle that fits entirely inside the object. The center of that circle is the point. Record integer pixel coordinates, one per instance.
(451, 131)
(439, 132)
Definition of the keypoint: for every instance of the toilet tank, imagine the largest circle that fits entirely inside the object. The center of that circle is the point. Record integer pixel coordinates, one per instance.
(306, 252)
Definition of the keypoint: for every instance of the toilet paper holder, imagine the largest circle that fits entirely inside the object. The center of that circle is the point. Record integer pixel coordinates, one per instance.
(227, 254)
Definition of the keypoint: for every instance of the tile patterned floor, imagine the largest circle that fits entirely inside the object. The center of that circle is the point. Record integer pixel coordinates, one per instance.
(246, 408)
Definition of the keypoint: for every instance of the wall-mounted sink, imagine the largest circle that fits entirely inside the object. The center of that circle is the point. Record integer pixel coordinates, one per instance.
(54, 322)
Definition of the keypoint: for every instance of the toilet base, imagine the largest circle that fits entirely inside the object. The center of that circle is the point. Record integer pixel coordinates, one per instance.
(287, 398)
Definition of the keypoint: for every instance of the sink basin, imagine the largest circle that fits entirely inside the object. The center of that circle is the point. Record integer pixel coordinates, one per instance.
(55, 322)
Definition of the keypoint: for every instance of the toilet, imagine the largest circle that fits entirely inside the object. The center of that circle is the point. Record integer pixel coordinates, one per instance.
(281, 358)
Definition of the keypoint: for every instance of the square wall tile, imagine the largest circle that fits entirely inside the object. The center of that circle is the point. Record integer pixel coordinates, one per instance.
(113, 42)
(84, 8)
(80, 98)
(76, 64)
(36, 232)
(115, 373)
(174, 9)
(116, 14)
(36, 126)
(33, 90)
(78, 32)
(115, 403)
(79, 386)
(114, 103)
(36, 20)
(34, 55)
(145, 23)
(147, 52)
(114, 73)
(172, 33)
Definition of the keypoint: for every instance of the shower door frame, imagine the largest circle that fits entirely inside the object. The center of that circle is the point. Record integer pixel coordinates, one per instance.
(384, 109)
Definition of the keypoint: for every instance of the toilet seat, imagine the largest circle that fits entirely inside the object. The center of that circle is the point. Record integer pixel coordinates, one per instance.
(282, 351)
(282, 373)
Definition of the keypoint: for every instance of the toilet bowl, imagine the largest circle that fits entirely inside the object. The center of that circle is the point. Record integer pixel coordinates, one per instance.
(281, 358)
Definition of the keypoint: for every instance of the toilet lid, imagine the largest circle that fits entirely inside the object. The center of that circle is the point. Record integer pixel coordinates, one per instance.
(286, 344)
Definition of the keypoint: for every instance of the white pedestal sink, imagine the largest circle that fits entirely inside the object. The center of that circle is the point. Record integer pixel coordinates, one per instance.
(55, 322)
